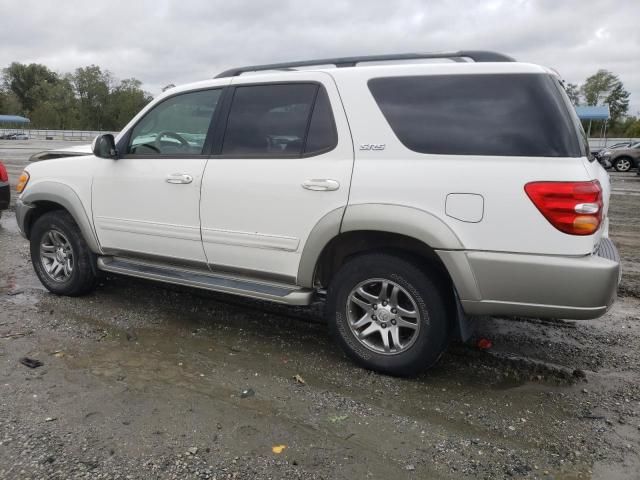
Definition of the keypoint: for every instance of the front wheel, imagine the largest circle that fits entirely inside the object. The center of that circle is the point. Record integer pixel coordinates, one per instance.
(622, 165)
(387, 314)
(60, 256)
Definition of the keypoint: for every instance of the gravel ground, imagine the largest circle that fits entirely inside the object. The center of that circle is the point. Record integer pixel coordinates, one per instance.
(145, 381)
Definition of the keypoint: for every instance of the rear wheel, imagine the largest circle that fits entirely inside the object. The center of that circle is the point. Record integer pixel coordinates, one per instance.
(387, 314)
(60, 256)
(622, 164)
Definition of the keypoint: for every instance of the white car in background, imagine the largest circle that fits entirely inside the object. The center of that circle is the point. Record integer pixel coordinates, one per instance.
(14, 136)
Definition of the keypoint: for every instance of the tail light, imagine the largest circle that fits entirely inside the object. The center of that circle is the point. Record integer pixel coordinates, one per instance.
(4, 176)
(572, 207)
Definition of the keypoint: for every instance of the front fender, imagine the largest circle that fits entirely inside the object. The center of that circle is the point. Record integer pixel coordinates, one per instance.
(66, 197)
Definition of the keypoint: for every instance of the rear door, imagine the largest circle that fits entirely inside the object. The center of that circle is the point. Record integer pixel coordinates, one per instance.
(285, 162)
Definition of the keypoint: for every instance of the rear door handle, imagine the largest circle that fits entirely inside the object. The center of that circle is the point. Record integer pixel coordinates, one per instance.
(179, 178)
(321, 184)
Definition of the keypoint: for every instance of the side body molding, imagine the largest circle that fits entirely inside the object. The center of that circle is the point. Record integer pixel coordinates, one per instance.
(62, 194)
(408, 221)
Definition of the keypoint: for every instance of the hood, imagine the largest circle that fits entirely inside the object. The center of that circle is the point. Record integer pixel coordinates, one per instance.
(74, 151)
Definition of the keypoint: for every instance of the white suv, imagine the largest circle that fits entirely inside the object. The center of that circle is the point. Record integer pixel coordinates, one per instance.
(411, 195)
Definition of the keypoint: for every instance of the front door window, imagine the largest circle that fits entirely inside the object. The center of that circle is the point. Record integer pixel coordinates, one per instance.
(177, 126)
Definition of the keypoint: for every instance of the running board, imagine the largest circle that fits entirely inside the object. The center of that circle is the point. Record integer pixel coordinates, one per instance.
(279, 293)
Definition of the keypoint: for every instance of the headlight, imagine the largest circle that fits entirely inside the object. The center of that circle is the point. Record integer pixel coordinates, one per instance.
(22, 181)
(606, 153)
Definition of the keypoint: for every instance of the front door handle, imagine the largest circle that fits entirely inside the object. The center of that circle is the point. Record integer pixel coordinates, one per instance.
(321, 184)
(179, 178)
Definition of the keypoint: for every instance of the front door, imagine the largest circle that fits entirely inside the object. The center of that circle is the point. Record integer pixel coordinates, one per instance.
(284, 163)
(147, 202)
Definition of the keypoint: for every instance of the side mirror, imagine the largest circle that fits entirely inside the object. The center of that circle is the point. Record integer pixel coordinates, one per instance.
(104, 146)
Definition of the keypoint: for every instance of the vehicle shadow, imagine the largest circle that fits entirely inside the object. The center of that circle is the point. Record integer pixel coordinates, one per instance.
(522, 350)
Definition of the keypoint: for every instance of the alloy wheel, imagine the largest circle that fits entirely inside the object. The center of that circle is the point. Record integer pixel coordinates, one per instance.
(383, 316)
(56, 255)
(623, 165)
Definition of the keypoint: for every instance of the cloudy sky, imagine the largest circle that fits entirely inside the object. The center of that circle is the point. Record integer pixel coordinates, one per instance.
(169, 41)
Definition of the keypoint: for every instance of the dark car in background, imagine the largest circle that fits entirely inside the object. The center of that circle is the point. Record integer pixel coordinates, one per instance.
(619, 145)
(5, 193)
(599, 155)
(622, 159)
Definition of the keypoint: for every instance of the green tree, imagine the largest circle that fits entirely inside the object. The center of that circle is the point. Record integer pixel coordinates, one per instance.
(9, 103)
(87, 99)
(125, 101)
(26, 81)
(58, 108)
(573, 92)
(92, 86)
(633, 129)
(606, 88)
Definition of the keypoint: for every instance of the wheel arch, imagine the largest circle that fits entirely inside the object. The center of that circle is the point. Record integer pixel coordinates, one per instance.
(46, 196)
(360, 242)
(394, 229)
(362, 227)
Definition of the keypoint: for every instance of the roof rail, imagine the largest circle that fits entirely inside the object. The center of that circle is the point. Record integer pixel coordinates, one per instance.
(475, 55)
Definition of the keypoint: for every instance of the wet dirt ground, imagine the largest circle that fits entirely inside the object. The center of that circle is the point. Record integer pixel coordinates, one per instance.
(145, 381)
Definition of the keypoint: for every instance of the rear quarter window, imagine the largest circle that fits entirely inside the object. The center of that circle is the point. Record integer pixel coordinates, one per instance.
(479, 114)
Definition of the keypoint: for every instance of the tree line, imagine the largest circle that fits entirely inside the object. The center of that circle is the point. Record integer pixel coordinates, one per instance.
(87, 99)
(604, 87)
(92, 99)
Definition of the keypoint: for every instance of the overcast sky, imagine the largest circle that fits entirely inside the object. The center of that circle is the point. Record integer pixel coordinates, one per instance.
(167, 41)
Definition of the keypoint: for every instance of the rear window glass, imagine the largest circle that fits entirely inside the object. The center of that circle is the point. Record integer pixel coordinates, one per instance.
(484, 114)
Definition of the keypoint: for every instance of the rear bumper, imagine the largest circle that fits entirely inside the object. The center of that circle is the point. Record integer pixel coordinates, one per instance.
(494, 283)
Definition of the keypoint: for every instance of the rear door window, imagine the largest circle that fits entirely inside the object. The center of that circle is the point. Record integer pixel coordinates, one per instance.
(479, 114)
(279, 120)
(322, 129)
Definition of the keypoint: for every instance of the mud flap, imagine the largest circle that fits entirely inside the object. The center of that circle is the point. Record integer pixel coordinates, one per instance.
(464, 327)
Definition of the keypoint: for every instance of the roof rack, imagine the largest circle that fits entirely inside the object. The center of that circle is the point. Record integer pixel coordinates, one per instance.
(475, 55)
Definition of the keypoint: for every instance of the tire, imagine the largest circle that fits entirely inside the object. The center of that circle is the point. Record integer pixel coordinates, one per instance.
(55, 231)
(623, 164)
(420, 346)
